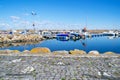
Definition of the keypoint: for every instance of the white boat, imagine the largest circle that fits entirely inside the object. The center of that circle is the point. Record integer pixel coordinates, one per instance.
(47, 34)
(110, 33)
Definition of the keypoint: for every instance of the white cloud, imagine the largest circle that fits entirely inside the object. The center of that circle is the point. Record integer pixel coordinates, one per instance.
(27, 24)
(15, 17)
(26, 14)
(4, 25)
(55, 25)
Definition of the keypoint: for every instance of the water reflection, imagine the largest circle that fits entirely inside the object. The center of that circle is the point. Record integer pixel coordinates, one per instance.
(2, 45)
(83, 42)
(113, 37)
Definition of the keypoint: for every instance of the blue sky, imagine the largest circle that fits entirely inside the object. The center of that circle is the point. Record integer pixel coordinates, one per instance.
(60, 14)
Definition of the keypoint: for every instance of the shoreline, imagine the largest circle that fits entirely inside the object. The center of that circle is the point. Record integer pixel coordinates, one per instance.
(60, 55)
(43, 51)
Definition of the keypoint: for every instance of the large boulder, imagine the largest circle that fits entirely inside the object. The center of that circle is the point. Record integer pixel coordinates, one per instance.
(76, 51)
(26, 51)
(1, 40)
(15, 38)
(40, 50)
(60, 52)
(15, 51)
(21, 37)
(7, 51)
(94, 52)
(3, 52)
(109, 53)
(5, 39)
(9, 36)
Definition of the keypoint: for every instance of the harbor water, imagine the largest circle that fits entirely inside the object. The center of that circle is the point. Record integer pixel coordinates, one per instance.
(101, 44)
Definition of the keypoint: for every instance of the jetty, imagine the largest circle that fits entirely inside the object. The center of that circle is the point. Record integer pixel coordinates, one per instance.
(58, 66)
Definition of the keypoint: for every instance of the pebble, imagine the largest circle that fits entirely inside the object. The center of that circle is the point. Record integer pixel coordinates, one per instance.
(106, 74)
(16, 60)
(28, 69)
(60, 63)
(99, 74)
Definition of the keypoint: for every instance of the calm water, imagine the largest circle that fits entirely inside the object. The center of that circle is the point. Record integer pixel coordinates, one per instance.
(102, 44)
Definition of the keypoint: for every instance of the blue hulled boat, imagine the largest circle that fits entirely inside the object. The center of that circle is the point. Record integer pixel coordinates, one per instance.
(62, 37)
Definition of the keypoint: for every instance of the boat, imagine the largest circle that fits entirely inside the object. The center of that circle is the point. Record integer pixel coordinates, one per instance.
(62, 37)
(110, 33)
(47, 34)
(74, 36)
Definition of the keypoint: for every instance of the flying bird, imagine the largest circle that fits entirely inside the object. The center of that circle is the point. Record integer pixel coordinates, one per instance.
(33, 13)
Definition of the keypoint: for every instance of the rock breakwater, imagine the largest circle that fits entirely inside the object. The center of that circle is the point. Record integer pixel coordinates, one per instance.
(47, 51)
(8, 38)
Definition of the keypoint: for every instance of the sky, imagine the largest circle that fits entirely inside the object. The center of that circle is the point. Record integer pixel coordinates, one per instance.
(60, 14)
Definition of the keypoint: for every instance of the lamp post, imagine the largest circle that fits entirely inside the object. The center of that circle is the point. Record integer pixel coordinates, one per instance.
(33, 14)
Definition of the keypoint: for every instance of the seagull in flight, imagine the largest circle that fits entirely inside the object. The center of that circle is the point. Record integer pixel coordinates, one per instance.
(33, 13)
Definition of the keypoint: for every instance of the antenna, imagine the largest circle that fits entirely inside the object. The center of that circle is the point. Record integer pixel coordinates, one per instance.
(86, 22)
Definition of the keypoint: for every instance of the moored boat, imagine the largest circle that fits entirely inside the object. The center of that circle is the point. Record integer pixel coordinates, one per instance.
(62, 37)
(74, 36)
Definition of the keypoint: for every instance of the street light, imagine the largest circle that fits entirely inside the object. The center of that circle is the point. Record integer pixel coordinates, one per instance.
(33, 14)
